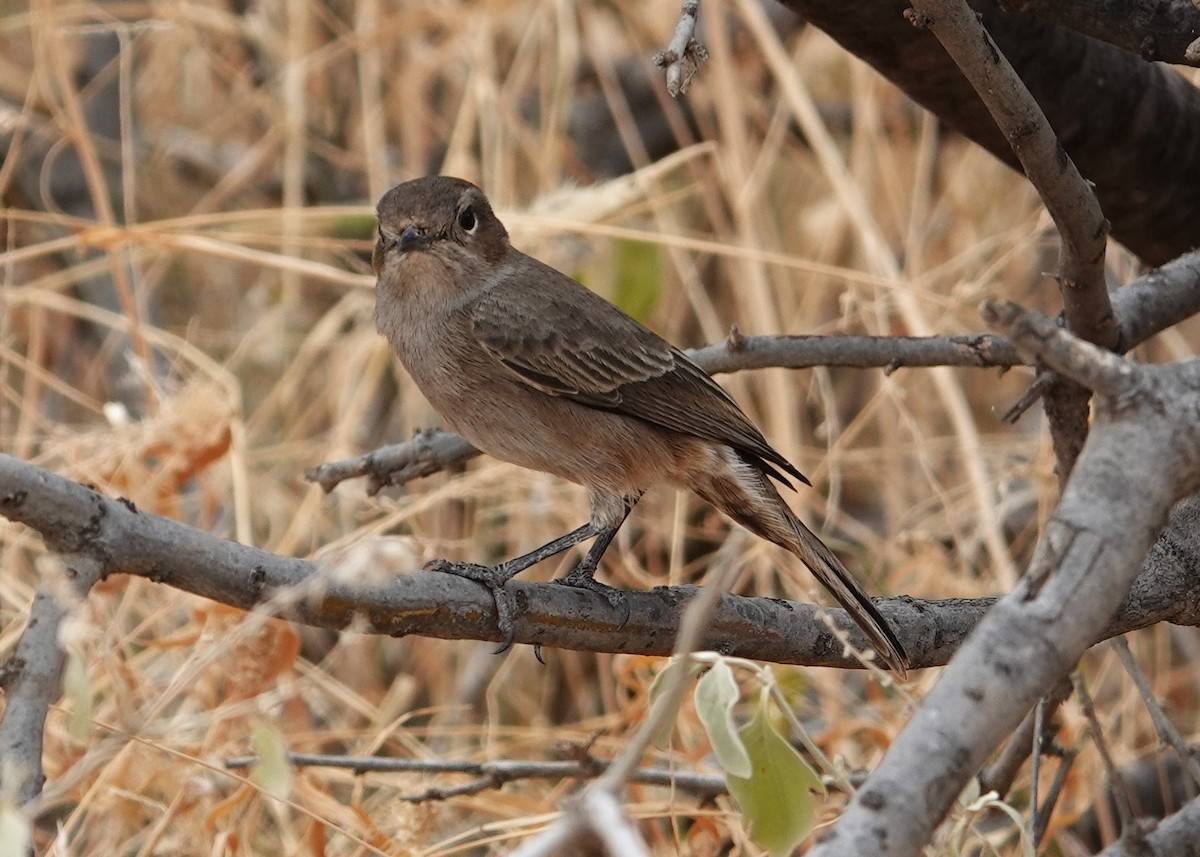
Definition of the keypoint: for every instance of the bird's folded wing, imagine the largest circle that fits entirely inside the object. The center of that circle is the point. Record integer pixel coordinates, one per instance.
(596, 355)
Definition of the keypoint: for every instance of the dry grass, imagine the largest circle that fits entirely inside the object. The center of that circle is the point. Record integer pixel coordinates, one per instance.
(871, 220)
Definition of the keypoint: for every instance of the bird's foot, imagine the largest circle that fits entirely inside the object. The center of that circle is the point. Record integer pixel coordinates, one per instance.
(495, 578)
(580, 577)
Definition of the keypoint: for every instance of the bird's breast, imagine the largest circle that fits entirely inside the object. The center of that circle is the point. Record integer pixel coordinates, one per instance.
(486, 403)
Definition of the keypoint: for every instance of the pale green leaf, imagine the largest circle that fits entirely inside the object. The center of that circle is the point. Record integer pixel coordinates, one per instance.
(716, 695)
(673, 666)
(639, 277)
(272, 771)
(778, 798)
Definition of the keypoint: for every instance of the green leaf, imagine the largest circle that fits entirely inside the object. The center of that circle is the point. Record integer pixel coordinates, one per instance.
(272, 771)
(360, 226)
(716, 694)
(777, 799)
(673, 666)
(639, 277)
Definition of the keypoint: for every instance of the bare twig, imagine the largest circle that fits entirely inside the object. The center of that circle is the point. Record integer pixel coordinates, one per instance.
(1032, 395)
(430, 451)
(998, 777)
(683, 53)
(1120, 792)
(1148, 305)
(861, 352)
(1100, 370)
(493, 774)
(1069, 199)
(1167, 732)
(1035, 765)
(1041, 818)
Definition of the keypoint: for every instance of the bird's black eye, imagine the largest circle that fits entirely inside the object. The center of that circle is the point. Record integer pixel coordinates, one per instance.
(467, 221)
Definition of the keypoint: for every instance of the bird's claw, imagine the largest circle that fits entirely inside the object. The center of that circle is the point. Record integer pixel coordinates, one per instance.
(580, 578)
(495, 578)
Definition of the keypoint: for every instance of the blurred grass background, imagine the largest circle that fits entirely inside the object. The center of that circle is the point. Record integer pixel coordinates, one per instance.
(188, 192)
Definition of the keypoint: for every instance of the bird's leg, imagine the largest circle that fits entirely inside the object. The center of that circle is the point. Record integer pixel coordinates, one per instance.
(582, 576)
(495, 577)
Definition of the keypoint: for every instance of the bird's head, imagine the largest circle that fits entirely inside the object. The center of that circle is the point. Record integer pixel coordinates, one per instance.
(434, 226)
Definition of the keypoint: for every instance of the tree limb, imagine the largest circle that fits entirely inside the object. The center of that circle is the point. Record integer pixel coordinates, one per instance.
(1155, 30)
(1068, 198)
(427, 603)
(1136, 143)
(1140, 457)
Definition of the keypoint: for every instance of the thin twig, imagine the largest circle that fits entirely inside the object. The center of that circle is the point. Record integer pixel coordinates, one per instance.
(1032, 395)
(1067, 196)
(1070, 200)
(1096, 368)
(1148, 305)
(493, 774)
(1167, 732)
(1117, 786)
(432, 450)
(1041, 819)
(683, 53)
(998, 777)
(1035, 763)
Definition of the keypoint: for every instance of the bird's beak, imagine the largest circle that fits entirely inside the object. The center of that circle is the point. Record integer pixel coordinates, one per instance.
(413, 238)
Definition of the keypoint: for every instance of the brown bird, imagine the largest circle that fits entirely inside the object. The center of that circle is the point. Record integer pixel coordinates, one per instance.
(535, 369)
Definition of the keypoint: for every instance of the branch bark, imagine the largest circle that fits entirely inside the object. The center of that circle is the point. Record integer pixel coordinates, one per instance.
(1068, 198)
(1140, 457)
(1153, 29)
(33, 677)
(433, 604)
(1135, 140)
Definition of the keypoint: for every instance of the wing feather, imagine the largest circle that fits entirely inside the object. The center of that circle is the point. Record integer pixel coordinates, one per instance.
(598, 356)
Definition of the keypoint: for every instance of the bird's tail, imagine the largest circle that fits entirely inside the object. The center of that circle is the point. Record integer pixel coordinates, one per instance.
(845, 589)
(742, 491)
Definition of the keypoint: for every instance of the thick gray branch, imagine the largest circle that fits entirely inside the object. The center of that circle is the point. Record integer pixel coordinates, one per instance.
(1153, 29)
(1177, 836)
(1140, 457)
(1128, 124)
(442, 605)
